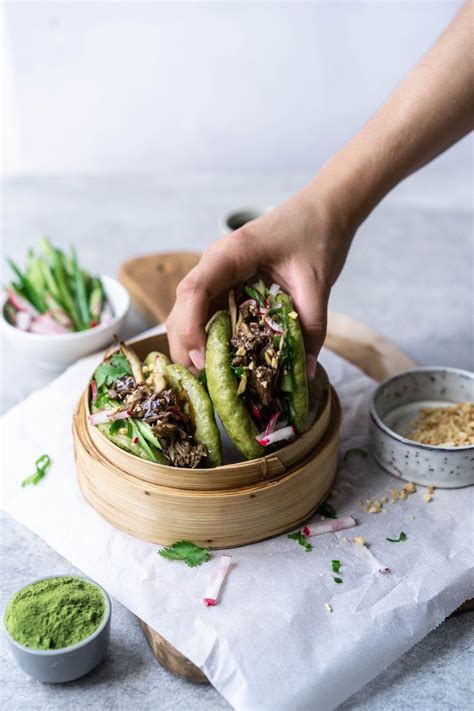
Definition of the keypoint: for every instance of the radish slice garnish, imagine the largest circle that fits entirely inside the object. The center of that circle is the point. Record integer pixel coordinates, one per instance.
(271, 423)
(255, 410)
(104, 416)
(276, 436)
(23, 320)
(375, 563)
(274, 289)
(213, 589)
(21, 304)
(274, 325)
(94, 390)
(47, 326)
(330, 526)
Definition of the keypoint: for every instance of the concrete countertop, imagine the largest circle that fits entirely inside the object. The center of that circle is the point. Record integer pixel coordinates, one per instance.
(409, 275)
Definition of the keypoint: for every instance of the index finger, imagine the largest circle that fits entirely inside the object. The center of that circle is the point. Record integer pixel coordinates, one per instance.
(224, 264)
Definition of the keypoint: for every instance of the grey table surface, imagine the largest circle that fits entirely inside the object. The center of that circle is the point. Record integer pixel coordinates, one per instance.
(409, 275)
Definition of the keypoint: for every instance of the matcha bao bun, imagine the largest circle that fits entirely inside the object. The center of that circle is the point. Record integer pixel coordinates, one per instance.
(255, 369)
(155, 410)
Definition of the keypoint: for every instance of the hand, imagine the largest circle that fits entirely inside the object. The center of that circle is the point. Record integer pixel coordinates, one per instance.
(301, 245)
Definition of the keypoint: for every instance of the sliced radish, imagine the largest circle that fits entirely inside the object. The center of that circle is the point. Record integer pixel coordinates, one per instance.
(277, 436)
(104, 416)
(271, 423)
(374, 562)
(47, 326)
(23, 320)
(274, 325)
(331, 526)
(254, 409)
(94, 390)
(213, 589)
(21, 304)
(56, 311)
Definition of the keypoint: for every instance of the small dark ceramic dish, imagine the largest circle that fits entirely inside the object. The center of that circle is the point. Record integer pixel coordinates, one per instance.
(396, 403)
(56, 666)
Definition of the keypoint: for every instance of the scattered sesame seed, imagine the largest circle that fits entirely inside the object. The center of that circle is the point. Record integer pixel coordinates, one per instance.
(334, 493)
(360, 540)
(410, 488)
(430, 488)
(412, 518)
(328, 607)
(427, 498)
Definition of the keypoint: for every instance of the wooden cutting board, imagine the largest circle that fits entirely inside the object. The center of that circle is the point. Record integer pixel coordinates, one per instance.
(151, 281)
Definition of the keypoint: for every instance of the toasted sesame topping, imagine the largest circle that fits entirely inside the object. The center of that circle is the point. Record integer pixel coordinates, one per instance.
(427, 498)
(360, 540)
(328, 607)
(451, 426)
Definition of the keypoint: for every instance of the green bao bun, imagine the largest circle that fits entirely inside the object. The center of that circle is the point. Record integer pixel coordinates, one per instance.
(197, 405)
(122, 440)
(199, 408)
(223, 384)
(299, 397)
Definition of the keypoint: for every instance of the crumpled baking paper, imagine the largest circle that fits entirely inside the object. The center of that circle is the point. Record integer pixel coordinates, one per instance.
(270, 643)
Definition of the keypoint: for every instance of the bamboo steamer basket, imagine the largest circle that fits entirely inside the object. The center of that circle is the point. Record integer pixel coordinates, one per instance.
(222, 507)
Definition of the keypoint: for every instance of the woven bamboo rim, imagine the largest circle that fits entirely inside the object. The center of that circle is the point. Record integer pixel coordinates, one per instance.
(219, 519)
(224, 477)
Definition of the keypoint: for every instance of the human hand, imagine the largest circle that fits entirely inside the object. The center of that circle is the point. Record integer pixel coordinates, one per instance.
(301, 245)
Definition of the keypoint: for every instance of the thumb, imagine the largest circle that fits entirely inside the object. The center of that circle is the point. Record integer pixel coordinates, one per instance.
(310, 298)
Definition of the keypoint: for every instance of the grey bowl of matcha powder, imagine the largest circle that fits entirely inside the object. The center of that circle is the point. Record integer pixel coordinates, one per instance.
(58, 627)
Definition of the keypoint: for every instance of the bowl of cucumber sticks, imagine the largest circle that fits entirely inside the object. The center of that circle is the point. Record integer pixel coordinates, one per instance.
(56, 312)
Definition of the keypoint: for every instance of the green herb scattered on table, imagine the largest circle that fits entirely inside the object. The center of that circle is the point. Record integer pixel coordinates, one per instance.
(401, 537)
(53, 294)
(327, 510)
(55, 613)
(354, 451)
(338, 580)
(42, 465)
(191, 554)
(301, 539)
(336, 566)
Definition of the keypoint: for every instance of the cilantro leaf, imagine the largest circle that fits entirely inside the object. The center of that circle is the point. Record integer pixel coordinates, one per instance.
(401, 537)
(336, 566)
(255, 294)
(338, 580)
(327, 510)
(42, 465)
(115, 426)
(353, 451)
(116, 367)
(302, 540)
(187, 551)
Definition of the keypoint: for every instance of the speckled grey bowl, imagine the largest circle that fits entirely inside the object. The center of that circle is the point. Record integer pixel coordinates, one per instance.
(396, 402)
(56, 666)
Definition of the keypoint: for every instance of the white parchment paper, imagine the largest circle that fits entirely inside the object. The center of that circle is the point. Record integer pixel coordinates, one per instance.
(270, 643)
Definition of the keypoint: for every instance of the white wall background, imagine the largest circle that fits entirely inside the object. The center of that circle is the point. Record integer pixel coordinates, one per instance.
(201, 87)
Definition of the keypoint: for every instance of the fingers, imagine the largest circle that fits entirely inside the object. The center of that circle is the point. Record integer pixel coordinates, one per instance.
(310, 297)
(226, 262)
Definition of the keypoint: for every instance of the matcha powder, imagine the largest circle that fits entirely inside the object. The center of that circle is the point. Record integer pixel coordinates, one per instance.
(55, 613)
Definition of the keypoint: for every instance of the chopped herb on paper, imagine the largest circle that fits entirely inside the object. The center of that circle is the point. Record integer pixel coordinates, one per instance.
(401, 537)
(338, 580)
(327, 510)
(336, 566)
(191, 554)
(301, 539)
(42, 465)
(354, 451)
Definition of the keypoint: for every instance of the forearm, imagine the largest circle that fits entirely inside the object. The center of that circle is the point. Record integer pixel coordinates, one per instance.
(428, 112)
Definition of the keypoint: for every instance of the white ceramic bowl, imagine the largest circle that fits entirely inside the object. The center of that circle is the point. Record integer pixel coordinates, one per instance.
(396, 403)
(56, 352)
